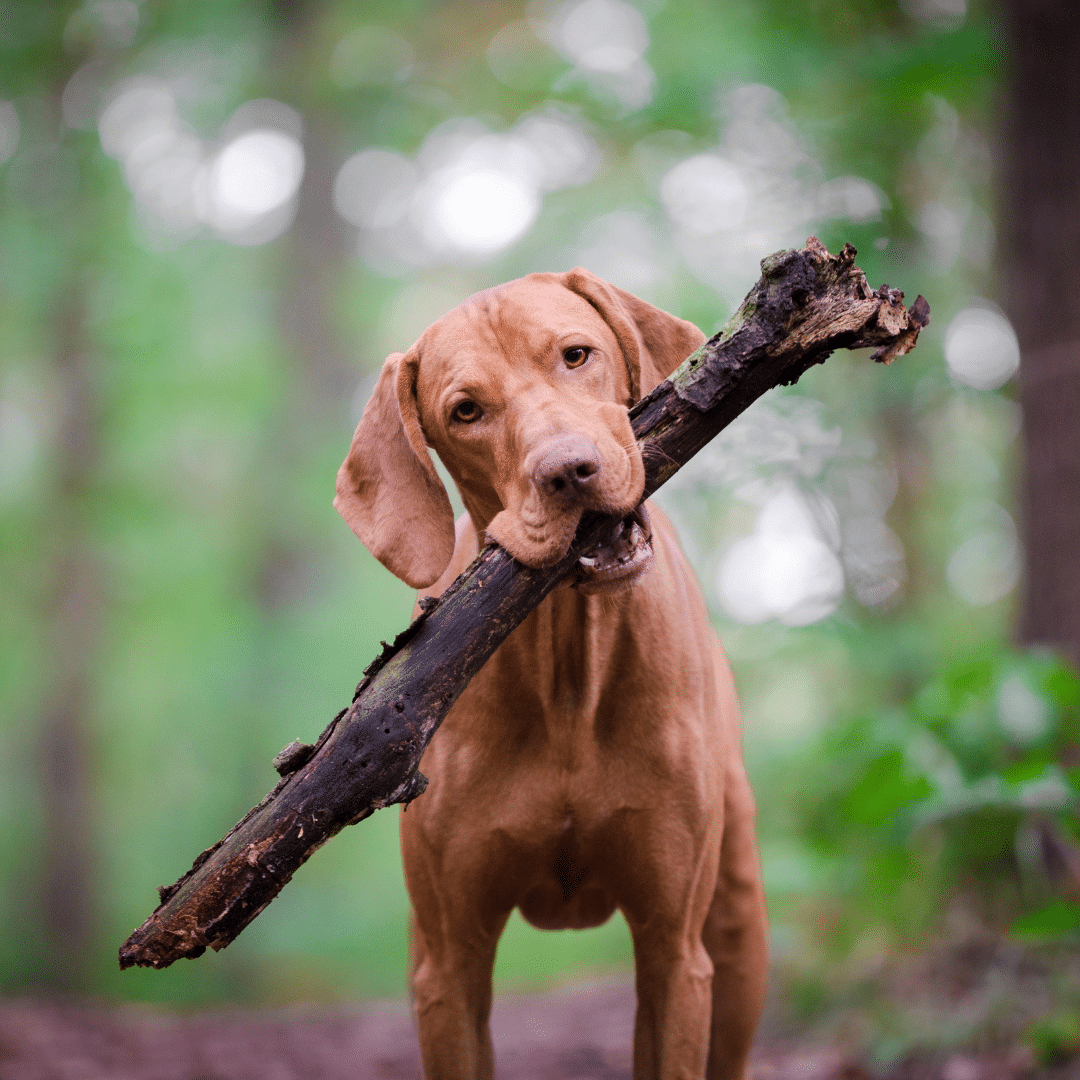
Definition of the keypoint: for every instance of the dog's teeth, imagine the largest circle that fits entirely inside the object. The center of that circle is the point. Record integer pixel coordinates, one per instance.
(587, 560)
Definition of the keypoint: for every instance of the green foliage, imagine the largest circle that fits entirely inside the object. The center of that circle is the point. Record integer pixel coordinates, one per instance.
(941, 795)
(884, 789)
(1055, 919)
(1055, 1039)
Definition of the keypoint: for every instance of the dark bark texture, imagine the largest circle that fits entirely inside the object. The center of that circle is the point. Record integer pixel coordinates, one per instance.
(1040, 223)
(806, 304)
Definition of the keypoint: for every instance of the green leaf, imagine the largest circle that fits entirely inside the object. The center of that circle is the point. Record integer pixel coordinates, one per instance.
(1063, 685)
(884, 790)
(1054, 1039)
(975, 677)
(1027, 768)
(1057, 918)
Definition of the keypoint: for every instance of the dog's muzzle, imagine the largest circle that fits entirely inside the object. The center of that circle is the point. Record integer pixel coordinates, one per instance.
(619, 559)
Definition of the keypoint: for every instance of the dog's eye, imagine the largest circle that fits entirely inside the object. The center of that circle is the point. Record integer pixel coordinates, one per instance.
(467, 412)
(576, 356)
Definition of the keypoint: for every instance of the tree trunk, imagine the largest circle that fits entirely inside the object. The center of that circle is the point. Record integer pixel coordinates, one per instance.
(806, 304)
(75, 602)
(76, 607)
(1040, 222)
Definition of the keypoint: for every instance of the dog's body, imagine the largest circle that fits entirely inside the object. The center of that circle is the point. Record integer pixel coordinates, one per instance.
(595, 761)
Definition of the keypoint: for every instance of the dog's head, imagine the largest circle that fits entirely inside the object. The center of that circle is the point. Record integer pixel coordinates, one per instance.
(523, 392)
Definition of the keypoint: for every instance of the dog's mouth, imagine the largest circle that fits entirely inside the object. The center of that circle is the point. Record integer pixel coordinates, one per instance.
(619, 559)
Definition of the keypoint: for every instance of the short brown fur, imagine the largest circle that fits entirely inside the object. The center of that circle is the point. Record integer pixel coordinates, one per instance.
(595, 762)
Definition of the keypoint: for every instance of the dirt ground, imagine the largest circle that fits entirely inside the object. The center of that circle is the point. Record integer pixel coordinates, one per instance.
(584, 1032)
(580, 1032)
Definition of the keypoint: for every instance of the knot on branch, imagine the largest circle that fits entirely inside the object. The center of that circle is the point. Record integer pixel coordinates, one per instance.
(292, 757)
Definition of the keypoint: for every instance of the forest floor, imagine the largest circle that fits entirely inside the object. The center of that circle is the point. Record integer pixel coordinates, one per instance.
(981, 1008)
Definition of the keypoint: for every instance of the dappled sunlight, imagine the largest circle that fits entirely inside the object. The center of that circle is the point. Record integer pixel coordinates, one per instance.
(986, 565)
(761, 190)
(785, 569)
(981, 349)
(243, 190)
(470, 193)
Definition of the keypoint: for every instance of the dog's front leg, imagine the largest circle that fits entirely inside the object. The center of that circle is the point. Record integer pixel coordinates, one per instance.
(736, 935)
(460, 907)
(674, 972)
(451, 986)
(674, 992)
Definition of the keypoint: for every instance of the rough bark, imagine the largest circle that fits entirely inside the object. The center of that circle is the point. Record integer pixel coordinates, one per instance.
(1040, 224)
(806, 304)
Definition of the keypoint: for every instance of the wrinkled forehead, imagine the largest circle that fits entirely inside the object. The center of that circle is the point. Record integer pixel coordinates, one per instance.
(514, 325)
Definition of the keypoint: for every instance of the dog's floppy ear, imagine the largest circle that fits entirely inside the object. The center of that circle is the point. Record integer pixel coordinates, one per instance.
(653, 342)
(387, 488)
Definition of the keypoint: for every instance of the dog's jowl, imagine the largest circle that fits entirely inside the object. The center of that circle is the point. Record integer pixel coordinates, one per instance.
(595, 762)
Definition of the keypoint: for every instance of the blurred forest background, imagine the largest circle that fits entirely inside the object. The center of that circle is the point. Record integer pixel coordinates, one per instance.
(217, 217)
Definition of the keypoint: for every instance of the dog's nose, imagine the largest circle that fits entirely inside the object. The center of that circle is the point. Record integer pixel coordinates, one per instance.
(567, 466)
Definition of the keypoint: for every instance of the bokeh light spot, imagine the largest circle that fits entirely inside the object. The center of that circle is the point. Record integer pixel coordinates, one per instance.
(705, 194)
(606, 36)
(1023, 714)
(256, 173)
(374, 187)
(481, 210)
(986, 565)
(784, 570)
(981, 348)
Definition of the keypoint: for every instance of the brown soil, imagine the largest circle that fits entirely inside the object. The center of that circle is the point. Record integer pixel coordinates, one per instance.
(581, 1032)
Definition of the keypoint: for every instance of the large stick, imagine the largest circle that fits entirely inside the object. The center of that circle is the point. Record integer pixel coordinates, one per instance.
(806, 304)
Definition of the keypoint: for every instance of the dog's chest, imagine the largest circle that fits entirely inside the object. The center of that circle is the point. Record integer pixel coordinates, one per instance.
(559, 679)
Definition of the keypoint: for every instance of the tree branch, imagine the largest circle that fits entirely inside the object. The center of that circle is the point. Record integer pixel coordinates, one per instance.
(806, 304)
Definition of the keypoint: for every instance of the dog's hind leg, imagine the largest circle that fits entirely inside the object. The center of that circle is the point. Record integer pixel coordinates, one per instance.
(735, 936)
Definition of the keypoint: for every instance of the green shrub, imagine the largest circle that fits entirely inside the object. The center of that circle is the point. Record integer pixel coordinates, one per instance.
(954, 792)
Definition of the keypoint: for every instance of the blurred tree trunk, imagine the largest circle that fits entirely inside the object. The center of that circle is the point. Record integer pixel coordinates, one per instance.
(73, 595)
(1040, 221)
(72, 620)
(320, 378)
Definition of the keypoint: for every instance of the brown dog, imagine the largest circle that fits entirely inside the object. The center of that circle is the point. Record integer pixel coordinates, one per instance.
(595, 762)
